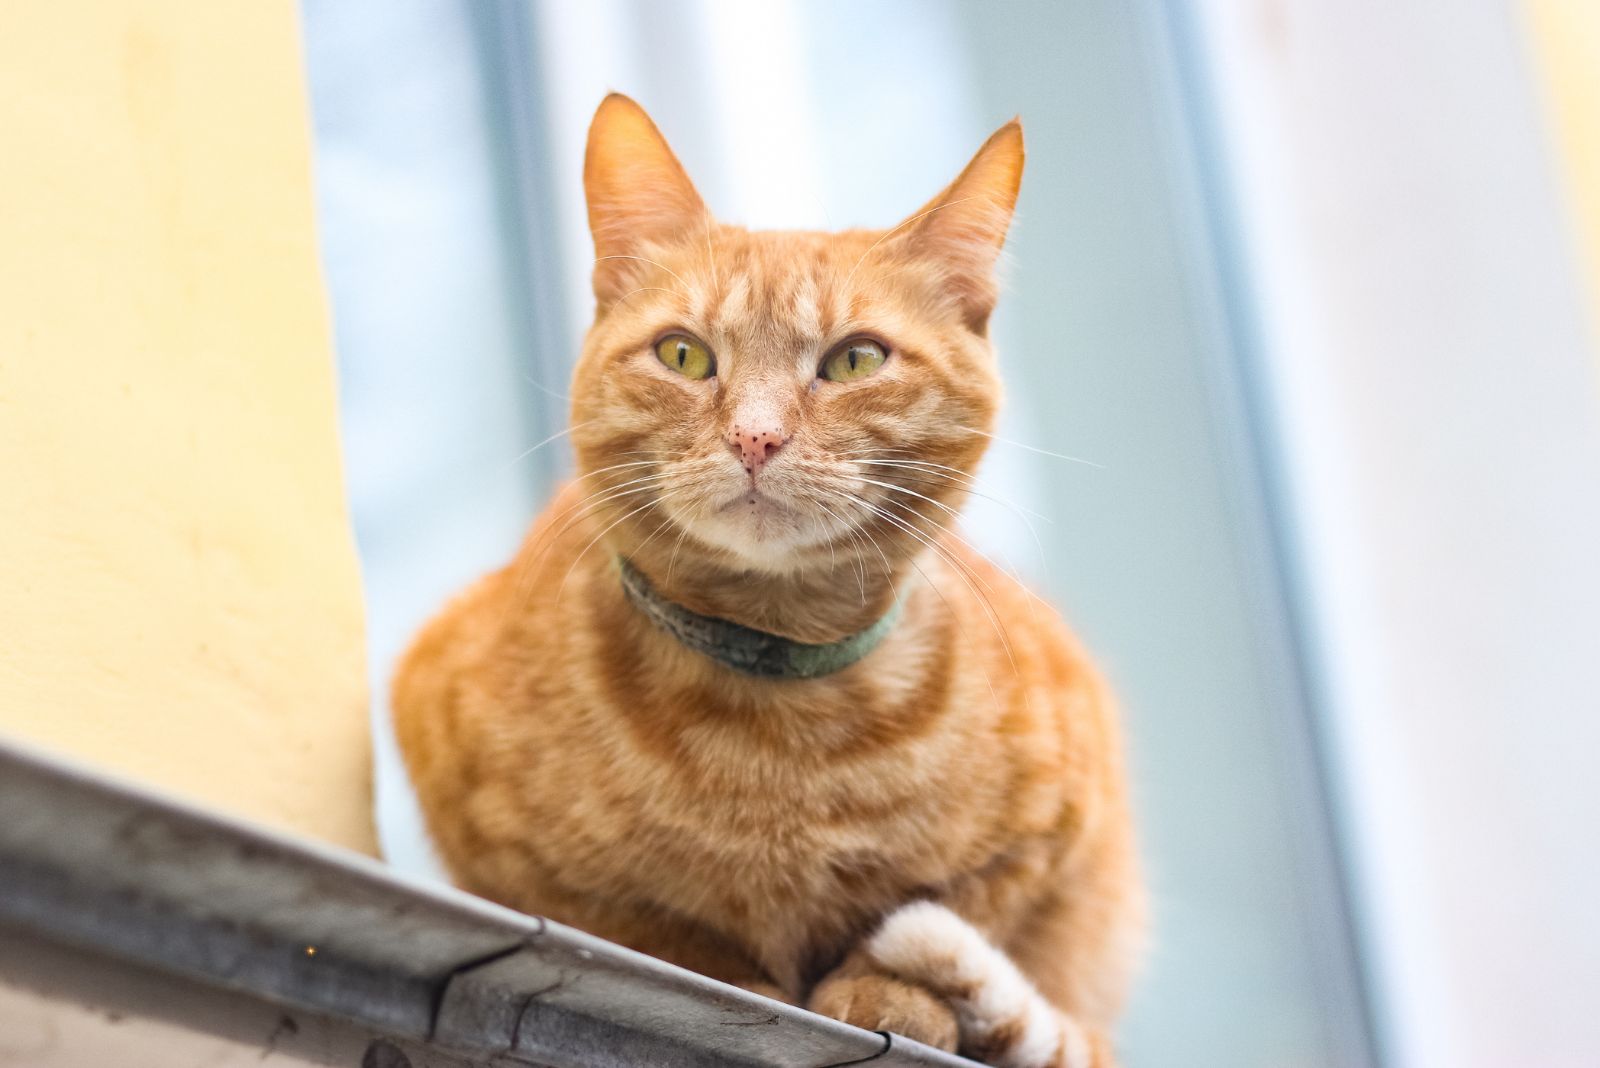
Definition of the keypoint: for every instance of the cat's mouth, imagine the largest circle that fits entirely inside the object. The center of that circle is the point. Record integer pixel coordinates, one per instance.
(753, 500)
(762, 524)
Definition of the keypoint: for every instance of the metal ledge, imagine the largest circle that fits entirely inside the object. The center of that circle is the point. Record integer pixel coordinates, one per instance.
(99, 872)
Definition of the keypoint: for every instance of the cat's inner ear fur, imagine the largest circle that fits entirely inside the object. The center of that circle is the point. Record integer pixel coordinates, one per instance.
(639, 195)
(962, 229)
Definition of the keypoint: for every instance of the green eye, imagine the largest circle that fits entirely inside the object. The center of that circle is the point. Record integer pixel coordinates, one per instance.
(853, 360)
(686, 356)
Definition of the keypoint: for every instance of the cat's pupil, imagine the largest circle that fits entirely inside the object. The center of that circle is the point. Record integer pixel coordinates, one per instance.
(683, 353)
(852, 359)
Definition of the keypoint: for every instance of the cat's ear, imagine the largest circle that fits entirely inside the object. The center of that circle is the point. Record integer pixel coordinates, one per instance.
(638, 194)
(963, 228)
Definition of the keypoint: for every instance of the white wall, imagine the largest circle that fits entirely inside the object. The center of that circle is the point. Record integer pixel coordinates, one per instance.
(1437, 398)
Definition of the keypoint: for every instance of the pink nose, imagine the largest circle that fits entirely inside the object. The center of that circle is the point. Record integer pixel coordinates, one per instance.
(756, 445)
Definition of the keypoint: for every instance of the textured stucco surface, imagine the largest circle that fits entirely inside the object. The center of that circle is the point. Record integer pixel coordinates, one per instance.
(179, 596)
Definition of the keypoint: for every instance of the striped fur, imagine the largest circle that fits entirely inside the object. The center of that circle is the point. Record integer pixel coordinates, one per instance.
(574, 761)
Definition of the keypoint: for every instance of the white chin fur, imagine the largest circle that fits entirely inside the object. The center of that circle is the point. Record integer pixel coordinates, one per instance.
(763, 536)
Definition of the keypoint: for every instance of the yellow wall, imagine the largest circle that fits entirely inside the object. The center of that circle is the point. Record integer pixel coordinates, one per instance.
(1566, 40)
(178, 589)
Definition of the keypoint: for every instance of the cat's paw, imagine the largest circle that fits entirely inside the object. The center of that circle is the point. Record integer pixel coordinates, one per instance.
(879, 1003)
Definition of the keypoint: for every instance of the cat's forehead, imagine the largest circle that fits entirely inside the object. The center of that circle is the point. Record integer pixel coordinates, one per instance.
(773, 259)
(802, 283)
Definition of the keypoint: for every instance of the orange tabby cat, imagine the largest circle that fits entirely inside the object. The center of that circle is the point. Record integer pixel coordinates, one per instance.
(741, 701)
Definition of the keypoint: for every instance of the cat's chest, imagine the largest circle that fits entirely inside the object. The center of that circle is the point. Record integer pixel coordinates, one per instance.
(718, 828)
(787, 839)
(794, 875)
(777, 833)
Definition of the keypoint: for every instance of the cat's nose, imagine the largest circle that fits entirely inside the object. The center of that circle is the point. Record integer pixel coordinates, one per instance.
(755, 445)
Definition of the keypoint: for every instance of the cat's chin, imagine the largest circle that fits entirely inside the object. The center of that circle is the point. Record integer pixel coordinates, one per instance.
(761, 530)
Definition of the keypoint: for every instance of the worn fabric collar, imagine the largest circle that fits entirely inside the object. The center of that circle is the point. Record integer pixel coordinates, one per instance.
(745, 649)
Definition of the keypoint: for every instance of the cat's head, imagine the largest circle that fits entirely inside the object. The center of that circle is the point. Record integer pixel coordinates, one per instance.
(778, 399)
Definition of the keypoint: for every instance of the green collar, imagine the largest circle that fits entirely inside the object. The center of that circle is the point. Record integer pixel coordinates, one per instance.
(745, 649)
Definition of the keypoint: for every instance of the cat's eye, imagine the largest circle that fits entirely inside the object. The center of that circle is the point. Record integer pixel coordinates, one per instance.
(686, 356)
(853, 360)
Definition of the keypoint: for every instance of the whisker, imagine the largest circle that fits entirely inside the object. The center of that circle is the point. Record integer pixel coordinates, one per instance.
(833, 554)
(610, 493)
(882, 275)
(1008, 569)
(665, 523)
(1030, 448)
(577, 512)
(893, 486)
(541, 387)
(955, 473)
(653, 263)
(616, 467)
(532, 558)
(946, 531)
(961, 570)
(711, 256)
(653, 502)
(588, 505)
(961, 628)
(852, 530)
(677, 545)
(1021, 511)
(530, 451)
(652, 289)
(901, 226)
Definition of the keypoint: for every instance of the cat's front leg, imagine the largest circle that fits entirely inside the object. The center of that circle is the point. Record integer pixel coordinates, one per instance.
(860, 993)
(929, 975)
